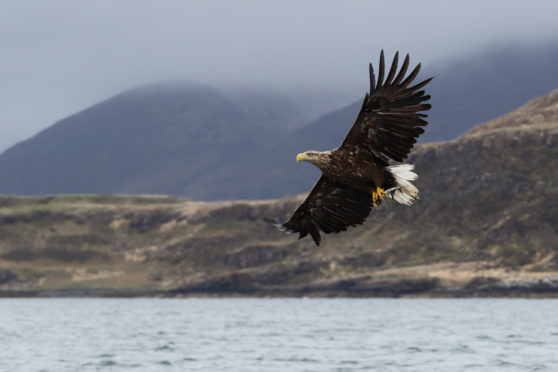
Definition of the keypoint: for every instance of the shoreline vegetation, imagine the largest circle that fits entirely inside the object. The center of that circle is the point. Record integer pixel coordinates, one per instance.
(167, 247)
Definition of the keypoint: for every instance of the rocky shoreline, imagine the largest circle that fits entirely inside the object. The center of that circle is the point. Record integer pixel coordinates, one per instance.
(423, 288)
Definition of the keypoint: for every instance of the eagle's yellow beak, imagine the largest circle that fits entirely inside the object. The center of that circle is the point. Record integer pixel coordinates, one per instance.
(301, 156)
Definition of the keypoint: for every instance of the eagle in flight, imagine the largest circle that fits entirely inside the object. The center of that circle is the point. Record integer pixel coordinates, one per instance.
(357, 176)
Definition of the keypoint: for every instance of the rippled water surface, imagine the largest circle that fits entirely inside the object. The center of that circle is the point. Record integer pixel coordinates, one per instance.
(278, 335)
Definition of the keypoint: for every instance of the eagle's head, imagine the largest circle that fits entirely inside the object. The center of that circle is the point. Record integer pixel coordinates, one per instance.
(319, 159)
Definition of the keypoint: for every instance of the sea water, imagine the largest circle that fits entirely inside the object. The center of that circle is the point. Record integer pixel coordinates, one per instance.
(278, 335)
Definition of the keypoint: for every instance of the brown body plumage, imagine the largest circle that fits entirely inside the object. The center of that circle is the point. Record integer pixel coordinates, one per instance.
(356, 175)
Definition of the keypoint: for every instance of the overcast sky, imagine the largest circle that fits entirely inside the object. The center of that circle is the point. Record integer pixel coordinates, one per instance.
(60, 56)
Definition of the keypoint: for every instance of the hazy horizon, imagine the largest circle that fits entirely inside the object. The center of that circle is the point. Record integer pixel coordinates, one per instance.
(61, 57)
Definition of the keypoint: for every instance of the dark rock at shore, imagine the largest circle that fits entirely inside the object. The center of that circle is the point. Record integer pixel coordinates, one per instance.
(6, 276)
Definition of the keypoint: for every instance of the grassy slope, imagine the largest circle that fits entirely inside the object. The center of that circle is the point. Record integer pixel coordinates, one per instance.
(487, 220)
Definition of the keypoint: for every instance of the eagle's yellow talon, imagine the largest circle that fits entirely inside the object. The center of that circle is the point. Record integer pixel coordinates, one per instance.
(378, 195)
(381, 192)
(374, 198)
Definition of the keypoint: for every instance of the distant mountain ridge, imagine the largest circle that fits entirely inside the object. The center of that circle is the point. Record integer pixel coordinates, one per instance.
(191, 140)
(154, 139)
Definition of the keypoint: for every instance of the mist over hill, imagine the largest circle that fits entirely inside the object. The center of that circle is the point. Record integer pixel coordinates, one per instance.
(469, 91)
(192, 140)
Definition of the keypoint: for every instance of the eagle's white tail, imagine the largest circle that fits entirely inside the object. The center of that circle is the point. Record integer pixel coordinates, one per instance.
(406, 192)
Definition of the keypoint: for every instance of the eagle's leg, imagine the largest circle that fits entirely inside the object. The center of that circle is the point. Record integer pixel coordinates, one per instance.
(381, 192)
(378, 195)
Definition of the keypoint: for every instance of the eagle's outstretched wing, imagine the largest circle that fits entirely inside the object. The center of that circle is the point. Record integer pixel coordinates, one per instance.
(389, 121)
(386, 128)
(330, 207)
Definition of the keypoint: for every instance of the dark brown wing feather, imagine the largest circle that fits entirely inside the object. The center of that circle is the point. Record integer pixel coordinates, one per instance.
(330, 207)
(390, 121)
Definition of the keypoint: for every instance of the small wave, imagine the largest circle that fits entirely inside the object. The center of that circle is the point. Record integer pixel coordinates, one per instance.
(414, 349)
(483, 337)
(107, 363)
(462, 348)
(298, 360)
(539, 367)
(164, 348)
(504, 363)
